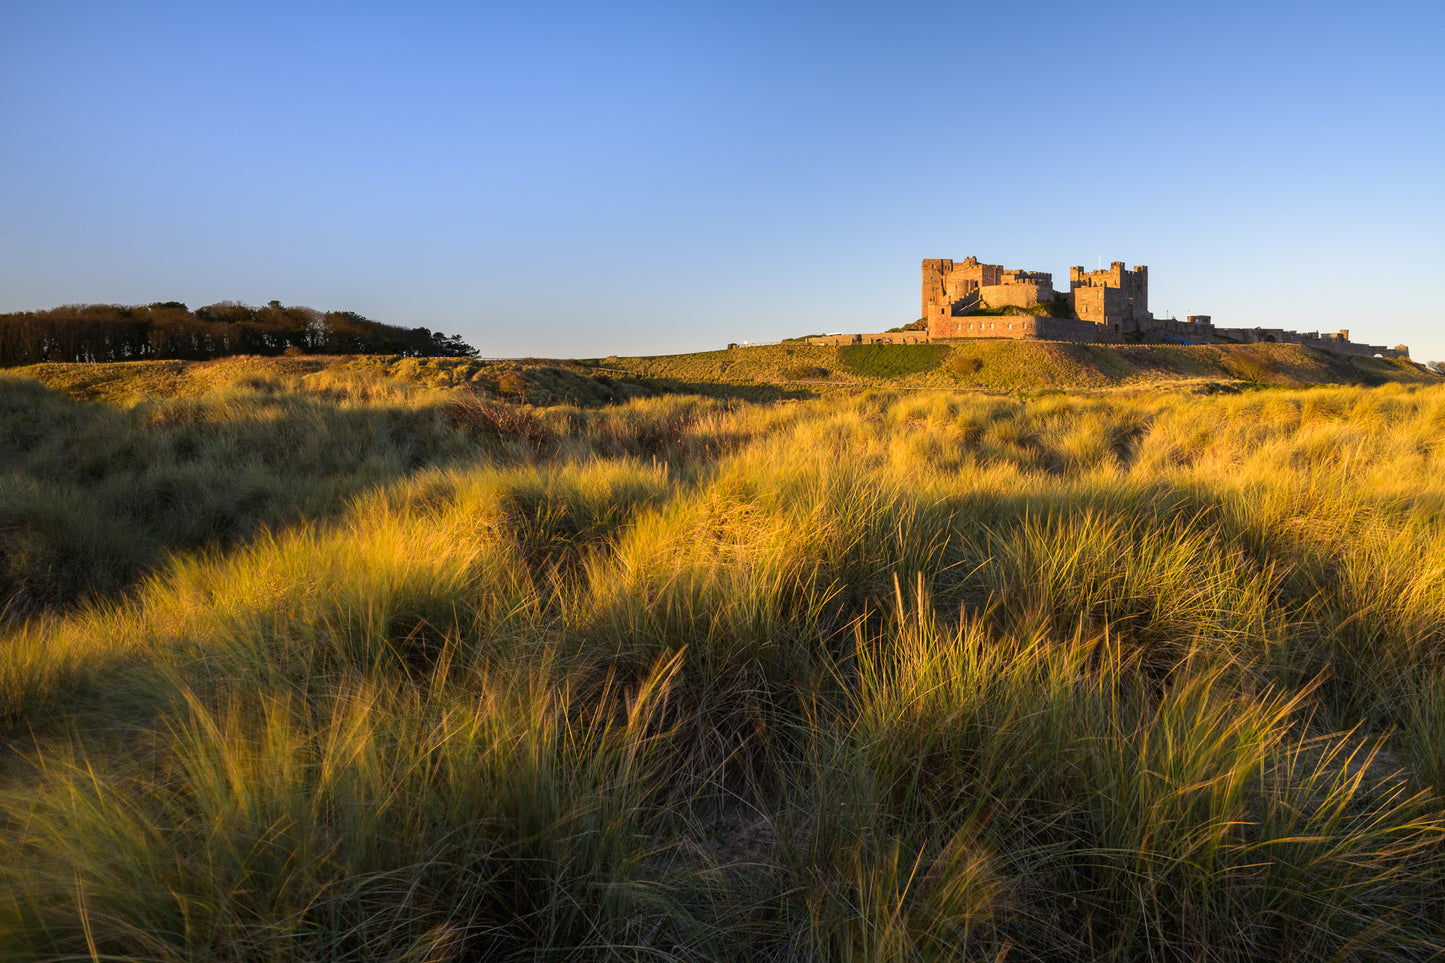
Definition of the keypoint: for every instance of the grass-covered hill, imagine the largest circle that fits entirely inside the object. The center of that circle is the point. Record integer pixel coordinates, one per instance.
(530, 381)
(1017, 366)
(767, 373)
(356, 660)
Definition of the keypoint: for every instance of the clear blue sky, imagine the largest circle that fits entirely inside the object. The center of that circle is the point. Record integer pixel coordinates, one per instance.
(584, 179)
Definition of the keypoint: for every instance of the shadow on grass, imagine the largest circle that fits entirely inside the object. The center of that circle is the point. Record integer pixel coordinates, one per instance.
(731, 391)
(93, 497)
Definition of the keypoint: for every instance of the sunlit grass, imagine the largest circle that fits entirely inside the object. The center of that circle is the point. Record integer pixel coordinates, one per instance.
(334, 670)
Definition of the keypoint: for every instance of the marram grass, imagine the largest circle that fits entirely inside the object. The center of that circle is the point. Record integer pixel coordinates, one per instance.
(327, 670)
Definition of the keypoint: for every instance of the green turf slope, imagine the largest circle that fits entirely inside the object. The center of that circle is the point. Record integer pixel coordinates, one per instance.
(1016, 366)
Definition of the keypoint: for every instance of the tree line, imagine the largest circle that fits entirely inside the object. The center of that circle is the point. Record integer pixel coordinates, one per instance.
(170, 330)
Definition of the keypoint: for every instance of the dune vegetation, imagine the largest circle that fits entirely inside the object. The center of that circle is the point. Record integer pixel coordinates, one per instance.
(344, 663)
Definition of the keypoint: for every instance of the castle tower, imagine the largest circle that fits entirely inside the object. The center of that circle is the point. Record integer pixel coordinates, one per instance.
(1115, 296)
(934, 270)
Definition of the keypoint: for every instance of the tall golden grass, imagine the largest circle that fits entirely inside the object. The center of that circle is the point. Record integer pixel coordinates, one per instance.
(315, 670)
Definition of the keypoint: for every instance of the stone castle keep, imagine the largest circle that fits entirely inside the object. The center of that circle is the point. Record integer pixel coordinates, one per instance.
(970, 299)
(1100, 305)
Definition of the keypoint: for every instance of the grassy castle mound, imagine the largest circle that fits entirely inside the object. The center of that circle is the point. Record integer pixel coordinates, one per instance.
(1023, 366)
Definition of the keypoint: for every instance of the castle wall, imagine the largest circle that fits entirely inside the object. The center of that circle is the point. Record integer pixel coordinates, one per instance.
(984, 326)
(881, 337)
(1349, 347)
(1017, 294)
(1018, 327)
(1194, 328)
(1074, 329)
(1338, 343)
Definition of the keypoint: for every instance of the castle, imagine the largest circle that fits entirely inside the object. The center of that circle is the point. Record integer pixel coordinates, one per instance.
(970, 299)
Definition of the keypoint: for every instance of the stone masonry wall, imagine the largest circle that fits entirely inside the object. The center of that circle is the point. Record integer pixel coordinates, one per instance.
(1350, 347)
(1074, 329)
(1020, 326)
(882, 337)
(1311, 339)
(1192, 328)
(1027, 277)
(984, 326)
(1019, 295)
(946, 281)
(1099, 304)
